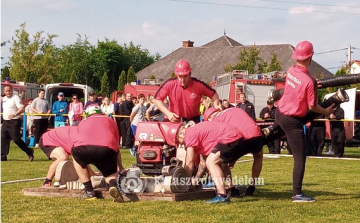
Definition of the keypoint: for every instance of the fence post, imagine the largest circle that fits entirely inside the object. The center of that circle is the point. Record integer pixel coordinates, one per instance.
(24, 127)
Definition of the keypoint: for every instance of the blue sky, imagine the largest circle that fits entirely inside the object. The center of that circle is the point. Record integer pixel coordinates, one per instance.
(161, 25)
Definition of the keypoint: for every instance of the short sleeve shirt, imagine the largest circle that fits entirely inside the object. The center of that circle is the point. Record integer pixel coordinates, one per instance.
(60, 137)
(11, 105)
(205, 136)
(139, 111)
(300, 92)
(41, 104)
(240, 120)
(184, 102)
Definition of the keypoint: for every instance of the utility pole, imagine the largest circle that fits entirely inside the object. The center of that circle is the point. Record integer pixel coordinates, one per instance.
(349, 55)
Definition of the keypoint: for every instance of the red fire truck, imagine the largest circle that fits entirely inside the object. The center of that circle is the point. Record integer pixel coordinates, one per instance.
(255, 86)
(149, 86)
(24, 90)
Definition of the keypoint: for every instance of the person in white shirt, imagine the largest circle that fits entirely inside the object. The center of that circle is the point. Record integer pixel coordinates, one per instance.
(10, 129)
(107, 107)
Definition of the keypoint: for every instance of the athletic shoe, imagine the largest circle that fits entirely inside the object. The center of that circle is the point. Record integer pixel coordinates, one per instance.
(133, 151)
(31, 157)
(116, 195)
(235, 193)
(37, 145)
(89, 196)
(329, 152)
(302, 198)
(46, 185)
(210, 185)
(219, 199)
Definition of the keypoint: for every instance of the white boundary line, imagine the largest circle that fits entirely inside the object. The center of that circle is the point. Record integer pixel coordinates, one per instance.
(24, 180)
(313, 157)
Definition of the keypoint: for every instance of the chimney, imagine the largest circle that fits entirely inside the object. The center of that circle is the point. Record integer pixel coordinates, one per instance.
(188, 43)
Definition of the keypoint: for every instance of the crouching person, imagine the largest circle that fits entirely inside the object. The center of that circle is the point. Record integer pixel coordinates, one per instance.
(220, 143)
(97, 143)
(56, 144)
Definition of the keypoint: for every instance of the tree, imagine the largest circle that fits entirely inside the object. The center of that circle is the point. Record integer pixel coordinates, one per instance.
(105, 88)
(131, 76)
(172, 75)
(152, 77)
(5, 73)
(253, 63)
(122, 81)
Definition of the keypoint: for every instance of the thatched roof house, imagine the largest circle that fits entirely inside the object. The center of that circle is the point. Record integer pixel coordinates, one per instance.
(210, 59)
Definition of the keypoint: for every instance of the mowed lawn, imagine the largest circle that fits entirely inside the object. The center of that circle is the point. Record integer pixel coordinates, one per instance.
(333, 182)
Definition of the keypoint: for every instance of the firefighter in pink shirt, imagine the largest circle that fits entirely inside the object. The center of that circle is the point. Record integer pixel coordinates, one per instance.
(219, 144)
(184, 94)
(253, 138)
(300, 96)
(97, 143)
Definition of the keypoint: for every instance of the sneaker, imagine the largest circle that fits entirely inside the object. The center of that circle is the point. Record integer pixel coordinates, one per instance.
(46, 185)
(133, 151)
(31, 157)
(37, 145)
(210, 185)
(302, 198)
(219, 199)
(116, 195)
(89, 196)
(329, 152)
(235, 193)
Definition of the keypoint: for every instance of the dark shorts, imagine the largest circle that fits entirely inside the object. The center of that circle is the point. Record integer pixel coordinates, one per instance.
(104, 158)
(231, 151)
(46, 149)
(253, 145)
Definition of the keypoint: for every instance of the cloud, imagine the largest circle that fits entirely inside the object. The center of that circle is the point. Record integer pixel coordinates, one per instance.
(301, 10)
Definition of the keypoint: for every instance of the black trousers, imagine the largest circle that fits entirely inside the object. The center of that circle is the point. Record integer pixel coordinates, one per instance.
(10, 130)
(41, 126)
(293, 128)
(338, 141)
(317, 139)
(118, 124)
(126, 133)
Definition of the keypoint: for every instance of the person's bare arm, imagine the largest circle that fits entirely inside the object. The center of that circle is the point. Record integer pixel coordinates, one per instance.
(170, 115)
(132, 115)
(325, 111)
(216, 101)
(189, 160)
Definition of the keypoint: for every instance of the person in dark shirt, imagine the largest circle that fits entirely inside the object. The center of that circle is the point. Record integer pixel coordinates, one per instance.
(126, 134)
(268, 114)
(247, 106)
(91, 100)
(317, 136)
(337, 131)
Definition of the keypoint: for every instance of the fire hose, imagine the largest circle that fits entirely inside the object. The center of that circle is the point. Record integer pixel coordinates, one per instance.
(337, 81)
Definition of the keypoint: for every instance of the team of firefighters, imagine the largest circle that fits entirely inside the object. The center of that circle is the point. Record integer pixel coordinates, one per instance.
(96, 139)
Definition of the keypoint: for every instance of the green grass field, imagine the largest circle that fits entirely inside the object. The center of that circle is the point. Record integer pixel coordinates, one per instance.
(334, 183)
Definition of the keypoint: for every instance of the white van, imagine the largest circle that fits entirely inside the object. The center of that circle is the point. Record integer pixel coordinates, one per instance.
(52, 90)
(352, 129)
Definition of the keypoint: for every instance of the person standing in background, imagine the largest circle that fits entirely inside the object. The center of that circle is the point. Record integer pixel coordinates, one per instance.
(59, 108)
(76, 109)
(247, 106)
(337, 131)
(40, 106)
(10, 128)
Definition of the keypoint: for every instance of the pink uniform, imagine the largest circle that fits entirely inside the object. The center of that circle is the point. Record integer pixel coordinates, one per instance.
(205, 136)
(239, 119)
(97, 130)
(60, 137)
(184, 102)
(299, 93)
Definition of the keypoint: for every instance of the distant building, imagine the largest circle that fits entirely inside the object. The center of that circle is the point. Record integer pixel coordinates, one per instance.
(355, 67)
(210, 59)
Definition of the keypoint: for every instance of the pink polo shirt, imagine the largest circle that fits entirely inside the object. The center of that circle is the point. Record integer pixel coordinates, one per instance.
(184, 102)
(60, 137)
(205, 136)
(240, 120)
(97, 130)
(300, 92)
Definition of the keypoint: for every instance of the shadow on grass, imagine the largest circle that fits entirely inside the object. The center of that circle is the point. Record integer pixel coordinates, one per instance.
(267, 194)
